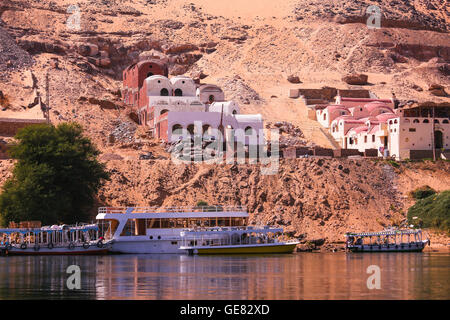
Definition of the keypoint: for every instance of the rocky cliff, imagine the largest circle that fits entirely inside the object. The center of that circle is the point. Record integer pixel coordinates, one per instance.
(251, 49)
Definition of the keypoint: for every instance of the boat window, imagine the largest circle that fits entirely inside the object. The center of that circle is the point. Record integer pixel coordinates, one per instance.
(222, 222)
(154, 223)
(140, 227)
(187, 223)
(129, 229)
(237, 222)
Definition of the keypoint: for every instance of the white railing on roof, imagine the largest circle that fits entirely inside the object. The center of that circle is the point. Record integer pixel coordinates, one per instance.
(113, 210)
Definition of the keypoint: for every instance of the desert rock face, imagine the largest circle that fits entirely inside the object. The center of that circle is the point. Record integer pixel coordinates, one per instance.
(251, 49)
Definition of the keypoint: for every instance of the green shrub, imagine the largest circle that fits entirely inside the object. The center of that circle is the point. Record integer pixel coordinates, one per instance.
(394, 163)
(56, 176)
(432, 212)
(422, 192)
(202, 203)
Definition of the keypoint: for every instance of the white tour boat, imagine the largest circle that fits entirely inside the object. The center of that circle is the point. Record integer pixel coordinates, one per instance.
(235, 240)
(165, 230)
(390, 240)
(53, 240)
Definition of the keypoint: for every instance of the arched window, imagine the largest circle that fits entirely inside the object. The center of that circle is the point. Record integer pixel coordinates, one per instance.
(324, 116)
(426, 121)
(436, 121)
(234, 112)
(211, 99)
(416, 121)
(445, 121)
(149, 74)
(177, 128)
(206, 128)
(249, 131)
(395, 121)
(164, 92)
(178, 92)
(191, 129)
(163, 112)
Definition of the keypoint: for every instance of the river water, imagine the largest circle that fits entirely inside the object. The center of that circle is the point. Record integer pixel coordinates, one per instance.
(296, 276)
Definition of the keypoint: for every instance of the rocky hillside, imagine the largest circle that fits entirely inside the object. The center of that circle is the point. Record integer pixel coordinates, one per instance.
(250, 48)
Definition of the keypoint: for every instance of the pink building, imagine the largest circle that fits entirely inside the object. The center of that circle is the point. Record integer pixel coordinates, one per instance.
(167, 106)
(404, 133)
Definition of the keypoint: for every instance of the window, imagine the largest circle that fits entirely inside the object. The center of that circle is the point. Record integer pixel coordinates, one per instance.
(426, 121)
(445, 121)
(164, 92)
(174, 242)
(412, 129)
(373, 138)
(177, 129)
(129, 228)
(178, 92)
(365, 139)
(416, 121)
(211, 99)
(249, 131)
(149, 74)
(324, 116)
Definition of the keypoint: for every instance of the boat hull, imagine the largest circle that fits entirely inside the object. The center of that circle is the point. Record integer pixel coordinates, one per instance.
(244, 249)
(408, 247)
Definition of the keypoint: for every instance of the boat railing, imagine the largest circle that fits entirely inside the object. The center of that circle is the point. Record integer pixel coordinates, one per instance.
(123, 210)
(250, 229)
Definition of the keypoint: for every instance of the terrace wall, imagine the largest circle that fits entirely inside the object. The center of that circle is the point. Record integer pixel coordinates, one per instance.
(9, 127)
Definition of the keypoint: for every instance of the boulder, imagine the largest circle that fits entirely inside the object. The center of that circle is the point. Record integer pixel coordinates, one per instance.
(293, 79)
(437, 90)
(356, 79)
(174, 49)
(87, 49)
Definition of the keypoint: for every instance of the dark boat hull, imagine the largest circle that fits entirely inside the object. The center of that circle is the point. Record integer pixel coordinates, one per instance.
(404, 247)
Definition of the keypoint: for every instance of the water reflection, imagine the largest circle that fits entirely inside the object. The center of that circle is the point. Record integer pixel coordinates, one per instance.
(297, 276)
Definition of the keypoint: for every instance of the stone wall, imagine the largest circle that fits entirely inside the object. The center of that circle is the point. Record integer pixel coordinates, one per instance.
(9, 127)
(341, 153)
(421, 154)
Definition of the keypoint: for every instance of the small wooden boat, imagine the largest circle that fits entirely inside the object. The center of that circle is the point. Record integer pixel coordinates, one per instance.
(54, 240)
(243, 240)
(390, 240)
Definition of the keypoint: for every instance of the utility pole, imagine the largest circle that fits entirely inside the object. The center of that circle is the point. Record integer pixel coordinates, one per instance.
(433, 144)
(47, 102)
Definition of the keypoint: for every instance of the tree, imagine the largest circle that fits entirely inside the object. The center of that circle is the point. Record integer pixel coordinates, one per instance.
(56, 176)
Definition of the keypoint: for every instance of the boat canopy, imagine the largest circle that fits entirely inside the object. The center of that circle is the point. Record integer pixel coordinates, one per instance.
(51, 229)
(228, 231)
(382, 233)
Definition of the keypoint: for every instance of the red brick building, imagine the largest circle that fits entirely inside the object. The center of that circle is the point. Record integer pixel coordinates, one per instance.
(134, 76)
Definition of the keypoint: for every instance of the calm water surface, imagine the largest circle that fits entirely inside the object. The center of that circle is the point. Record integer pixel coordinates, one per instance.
(297, 276)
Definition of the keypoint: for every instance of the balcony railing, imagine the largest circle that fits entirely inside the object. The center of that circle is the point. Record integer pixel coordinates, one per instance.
(122, 210)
